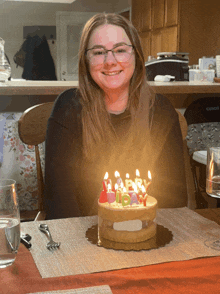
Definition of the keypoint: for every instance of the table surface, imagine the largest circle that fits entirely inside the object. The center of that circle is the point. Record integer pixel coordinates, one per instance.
(193, 276)
(56, 87)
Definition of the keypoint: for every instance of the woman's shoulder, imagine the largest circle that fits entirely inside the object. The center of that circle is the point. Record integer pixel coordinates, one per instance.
(69, 99)
(67, 108)
(163, 108)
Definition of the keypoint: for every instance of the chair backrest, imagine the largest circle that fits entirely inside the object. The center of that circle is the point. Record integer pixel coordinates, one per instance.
(183, 124)
(203, 110)
(189, 177)
(203, 119)
(32, 127)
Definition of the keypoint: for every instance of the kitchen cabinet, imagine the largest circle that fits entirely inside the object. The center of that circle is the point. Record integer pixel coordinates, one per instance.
(164, 40)
(156, 22)
(141, 15)
(158, 14)
(146, 43)
(171, 13)
(190, 26)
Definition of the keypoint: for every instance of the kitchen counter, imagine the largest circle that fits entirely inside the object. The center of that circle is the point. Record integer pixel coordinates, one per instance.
(56, 87)
(185, 87)
(24, 94)
(35, 87)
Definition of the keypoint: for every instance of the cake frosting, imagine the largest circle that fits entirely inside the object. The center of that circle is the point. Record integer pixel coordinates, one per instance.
(127, 224)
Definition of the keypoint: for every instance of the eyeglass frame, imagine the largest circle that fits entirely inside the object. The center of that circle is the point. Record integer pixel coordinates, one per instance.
(107, 50)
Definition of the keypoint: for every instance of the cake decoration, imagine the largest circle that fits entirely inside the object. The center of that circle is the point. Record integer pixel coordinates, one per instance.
(134, 192)
(126, 213)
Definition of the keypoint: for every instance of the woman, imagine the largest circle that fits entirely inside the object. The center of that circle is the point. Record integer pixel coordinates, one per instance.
(113, 122)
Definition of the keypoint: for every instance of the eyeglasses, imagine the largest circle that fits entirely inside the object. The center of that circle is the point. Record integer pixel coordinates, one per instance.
(121, 53)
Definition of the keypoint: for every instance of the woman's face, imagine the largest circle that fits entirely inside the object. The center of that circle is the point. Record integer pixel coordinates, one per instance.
(111, 74)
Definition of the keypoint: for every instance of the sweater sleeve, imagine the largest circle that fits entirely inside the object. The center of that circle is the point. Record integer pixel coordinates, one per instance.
(62, 153)
(169, 182)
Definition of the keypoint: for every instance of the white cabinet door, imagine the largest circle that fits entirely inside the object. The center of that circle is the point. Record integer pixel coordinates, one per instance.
(69, 26)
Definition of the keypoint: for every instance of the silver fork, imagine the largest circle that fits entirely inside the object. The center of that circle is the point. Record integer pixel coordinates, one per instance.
(51, 245)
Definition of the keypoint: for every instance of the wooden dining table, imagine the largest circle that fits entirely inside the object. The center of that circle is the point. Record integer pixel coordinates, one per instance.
(201, 275)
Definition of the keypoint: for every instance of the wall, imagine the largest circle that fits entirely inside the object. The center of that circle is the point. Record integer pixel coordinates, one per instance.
(15, 15)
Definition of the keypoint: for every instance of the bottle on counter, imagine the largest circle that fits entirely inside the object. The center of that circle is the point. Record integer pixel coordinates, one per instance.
(5, 68)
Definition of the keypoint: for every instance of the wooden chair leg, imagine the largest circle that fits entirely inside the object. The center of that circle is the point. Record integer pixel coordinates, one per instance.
(200, 201)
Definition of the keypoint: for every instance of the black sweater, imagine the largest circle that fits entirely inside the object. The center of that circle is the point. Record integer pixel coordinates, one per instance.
(72, 189)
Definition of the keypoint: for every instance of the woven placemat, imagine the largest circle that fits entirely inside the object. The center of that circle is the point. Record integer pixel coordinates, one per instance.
(89, 290)
(78, 256)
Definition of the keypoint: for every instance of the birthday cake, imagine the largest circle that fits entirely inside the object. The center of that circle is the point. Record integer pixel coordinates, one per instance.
(126, 214)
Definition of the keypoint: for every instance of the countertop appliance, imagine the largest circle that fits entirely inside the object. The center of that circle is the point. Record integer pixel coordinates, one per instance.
(169, 63)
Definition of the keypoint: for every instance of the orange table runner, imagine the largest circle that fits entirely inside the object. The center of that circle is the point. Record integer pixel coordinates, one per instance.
(192, 276)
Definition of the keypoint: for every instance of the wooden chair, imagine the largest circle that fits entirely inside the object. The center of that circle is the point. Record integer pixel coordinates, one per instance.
(32, 127)
(188, 172)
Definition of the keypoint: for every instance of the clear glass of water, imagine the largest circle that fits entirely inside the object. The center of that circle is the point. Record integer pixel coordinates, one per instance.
(9, 223)
(213, 184)
(213, 172)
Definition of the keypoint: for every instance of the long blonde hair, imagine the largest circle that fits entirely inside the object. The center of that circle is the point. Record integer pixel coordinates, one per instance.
(98, 132)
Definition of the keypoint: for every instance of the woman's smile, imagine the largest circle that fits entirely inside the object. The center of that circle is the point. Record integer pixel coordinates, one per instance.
(113, 73)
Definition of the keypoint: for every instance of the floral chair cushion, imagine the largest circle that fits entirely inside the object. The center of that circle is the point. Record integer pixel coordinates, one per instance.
(201, 136)
(19, 163)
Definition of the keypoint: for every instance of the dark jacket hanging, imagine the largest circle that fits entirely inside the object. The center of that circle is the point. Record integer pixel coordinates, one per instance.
(39, 64)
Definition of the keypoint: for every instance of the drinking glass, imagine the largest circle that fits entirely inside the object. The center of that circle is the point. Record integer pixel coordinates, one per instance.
(213, 183)
(9, 223)
(213, 172)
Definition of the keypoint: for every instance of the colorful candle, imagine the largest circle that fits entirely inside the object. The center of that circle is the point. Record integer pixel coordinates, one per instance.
(118, 194)
(119, 180)
(104, 183)
(133, 194)
(125, 200)
(147, 184)
(110, 194)
(138, 179)
(134, 198)
(143, 197)
(128, 183)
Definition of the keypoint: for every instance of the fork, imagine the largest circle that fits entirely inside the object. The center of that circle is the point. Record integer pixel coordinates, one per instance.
(51, 245)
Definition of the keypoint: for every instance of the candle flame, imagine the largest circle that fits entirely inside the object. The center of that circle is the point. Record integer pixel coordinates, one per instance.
(117, 175)
(106, 176)
(149, 175)
(137, 173)
(127, 176)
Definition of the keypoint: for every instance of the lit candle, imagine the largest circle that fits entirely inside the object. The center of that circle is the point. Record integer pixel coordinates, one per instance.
(104, 182)
(138, 179)
(147, 184)
(119, 180)
(118, 194)
(133, 194)
(128, 183)
(110, 194)
(103, 197)
(143, 197)
(125, 200)
(134, 198)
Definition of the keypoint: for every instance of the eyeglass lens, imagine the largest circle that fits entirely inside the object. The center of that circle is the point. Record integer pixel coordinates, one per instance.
(121, 54)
